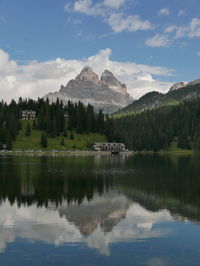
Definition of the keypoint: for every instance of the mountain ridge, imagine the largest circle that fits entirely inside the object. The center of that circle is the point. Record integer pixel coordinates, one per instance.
(178, 93)
(106, 93)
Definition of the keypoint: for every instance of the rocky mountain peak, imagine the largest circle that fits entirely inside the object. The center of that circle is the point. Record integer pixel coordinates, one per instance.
(107, 73)
(87, 69)
(108, 79)
(87, 74)
(107, 93)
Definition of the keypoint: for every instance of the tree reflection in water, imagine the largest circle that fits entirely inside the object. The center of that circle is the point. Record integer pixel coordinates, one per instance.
(97, 200)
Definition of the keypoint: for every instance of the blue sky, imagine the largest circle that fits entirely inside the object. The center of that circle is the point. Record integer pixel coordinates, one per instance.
(136, 33)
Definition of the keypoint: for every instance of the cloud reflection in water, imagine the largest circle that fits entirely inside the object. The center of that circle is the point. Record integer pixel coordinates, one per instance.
(108, 219)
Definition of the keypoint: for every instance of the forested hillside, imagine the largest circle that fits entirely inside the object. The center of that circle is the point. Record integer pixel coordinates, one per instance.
(155, 99)
(57, 126)
(157, 129)
(52, 120)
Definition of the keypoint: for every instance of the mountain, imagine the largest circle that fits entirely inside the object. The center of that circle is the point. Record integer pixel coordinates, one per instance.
(177, 86)
(150, 100)
(106, 93)
(179, 92)
(194, 82)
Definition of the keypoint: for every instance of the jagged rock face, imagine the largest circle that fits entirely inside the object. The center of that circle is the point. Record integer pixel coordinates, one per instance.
(177, 86)
(106, 93)
(108, 79)
(87, 74)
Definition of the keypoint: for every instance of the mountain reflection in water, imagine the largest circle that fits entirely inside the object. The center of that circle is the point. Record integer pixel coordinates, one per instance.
(96, 200)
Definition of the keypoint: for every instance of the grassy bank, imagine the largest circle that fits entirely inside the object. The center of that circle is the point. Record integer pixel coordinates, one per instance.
(32, 142)
(172, 150)
(176, 151)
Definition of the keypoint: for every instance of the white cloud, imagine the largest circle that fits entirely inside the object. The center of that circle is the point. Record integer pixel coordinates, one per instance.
(35, 79)
(181, 12)
(6, 65)
(198, 53)
(86, 7)
(114, 3)
(83, 6)
(192, 30)
(146, 77)
(145, 83)
(158, 40)
(119, 23)
(100, 8)
(171, 29)
(106, 9)
(164, 11)
(174, 32)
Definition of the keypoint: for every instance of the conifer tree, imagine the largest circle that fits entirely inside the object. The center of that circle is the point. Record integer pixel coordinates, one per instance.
(34, 126)
(28, 130)
(65, 134)
(100, 122)
(71, 135)
(43, 141)
(9, 141)
(12, 124)
(62, 142)
(54, 128)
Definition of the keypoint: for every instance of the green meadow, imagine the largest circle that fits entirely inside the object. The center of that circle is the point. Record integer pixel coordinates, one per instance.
(32, 142)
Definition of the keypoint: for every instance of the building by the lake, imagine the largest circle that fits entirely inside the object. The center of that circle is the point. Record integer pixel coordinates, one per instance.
(28, 115)
(112, 147)
(66, 115)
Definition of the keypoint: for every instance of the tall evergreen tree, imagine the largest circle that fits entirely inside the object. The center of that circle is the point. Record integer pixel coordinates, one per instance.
(28, 130)
(43, 140)
(34, 126)
(65, 134)
(71, 135)
(62, 142)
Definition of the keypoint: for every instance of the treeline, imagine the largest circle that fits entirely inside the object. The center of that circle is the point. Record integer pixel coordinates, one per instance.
(9, 124)
(51, 117)
(156, 129)
(54, 119)
(84, 119)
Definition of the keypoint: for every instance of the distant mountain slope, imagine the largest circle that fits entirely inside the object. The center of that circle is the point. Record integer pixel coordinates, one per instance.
(106, 93)
(190, 91)
(167, 127)
(178, 93)
(149, 101)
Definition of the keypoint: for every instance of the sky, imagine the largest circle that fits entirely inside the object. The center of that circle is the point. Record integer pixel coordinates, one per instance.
(149, 45)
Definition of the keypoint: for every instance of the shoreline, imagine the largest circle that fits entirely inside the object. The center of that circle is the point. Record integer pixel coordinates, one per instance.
(56, 152)
(92, 153)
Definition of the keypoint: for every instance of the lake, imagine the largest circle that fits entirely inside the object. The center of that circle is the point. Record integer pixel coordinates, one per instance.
(100, 210)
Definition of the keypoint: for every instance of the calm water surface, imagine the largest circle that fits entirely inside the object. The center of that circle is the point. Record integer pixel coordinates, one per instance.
(100, 210)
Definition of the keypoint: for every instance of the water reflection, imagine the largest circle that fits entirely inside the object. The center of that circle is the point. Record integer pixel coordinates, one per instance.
(98, 223)
(97, 201)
